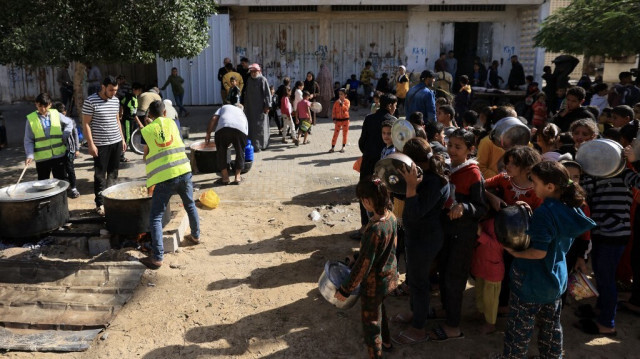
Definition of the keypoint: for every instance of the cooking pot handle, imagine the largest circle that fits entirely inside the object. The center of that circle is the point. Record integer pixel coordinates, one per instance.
(43, 203)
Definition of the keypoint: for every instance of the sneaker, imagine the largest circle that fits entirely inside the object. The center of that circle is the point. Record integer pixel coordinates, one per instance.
(73, 193)
(100, 211)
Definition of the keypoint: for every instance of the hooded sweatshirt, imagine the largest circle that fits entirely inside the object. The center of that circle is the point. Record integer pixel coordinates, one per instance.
(553, 228)
(488, 262)
(469, 191)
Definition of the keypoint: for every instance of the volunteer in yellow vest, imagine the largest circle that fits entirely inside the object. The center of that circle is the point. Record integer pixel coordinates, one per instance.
(168, 169)
(402, 87)
(45, 136)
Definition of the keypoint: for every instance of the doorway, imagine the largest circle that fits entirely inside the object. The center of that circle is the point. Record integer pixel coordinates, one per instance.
(465, 46)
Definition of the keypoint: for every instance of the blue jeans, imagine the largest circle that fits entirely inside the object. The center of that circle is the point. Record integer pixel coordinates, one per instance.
(183, 186)
(179, 98)
(605, 263)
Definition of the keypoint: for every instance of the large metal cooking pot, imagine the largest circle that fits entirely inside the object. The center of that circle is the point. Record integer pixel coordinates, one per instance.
(388, 170)
(601, 158)
(332, 276)
(205, 156)
(27, 211)
(127, 211)
(509, 132)
(511, 225)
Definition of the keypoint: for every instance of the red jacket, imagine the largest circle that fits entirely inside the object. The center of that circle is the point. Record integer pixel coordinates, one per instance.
(487, 262)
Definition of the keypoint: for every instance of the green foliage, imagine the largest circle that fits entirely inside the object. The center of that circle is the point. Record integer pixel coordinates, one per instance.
(593, 27)
(54, 32)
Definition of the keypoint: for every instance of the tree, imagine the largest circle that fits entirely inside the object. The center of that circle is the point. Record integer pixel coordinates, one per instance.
(56, 32)
(593, 27)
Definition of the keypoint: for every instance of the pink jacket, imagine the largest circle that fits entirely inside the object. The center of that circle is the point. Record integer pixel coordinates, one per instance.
(487, 262)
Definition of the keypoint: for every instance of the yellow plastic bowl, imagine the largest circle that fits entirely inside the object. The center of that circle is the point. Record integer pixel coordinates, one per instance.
(210, 199)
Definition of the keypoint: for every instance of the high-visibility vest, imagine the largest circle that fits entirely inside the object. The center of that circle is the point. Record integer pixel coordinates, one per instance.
(46, 147)
(166, 158)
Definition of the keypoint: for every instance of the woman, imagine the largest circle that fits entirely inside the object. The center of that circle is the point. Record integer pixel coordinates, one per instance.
(313, 88)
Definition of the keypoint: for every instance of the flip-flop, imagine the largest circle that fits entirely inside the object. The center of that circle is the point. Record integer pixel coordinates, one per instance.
(148, 262)
(585, 311)
(441, 335)
(590, 327)
(221, 182)
(237, 183)
(400, 319)
(403, 339)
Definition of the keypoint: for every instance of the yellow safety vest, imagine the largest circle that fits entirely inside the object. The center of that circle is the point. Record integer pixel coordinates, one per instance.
(46, 147)
(166, 158)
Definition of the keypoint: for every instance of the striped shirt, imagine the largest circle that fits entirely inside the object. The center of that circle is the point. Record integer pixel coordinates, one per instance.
(610, 202)
(104, 119)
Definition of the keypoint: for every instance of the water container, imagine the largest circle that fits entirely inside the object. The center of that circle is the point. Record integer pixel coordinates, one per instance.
(248, 151)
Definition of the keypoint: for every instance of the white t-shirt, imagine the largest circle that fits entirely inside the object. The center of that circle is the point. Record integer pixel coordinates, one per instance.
(233, 117)
(296, 99)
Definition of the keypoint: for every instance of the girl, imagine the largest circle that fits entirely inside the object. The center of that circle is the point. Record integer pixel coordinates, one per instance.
(548, 138)
(287, 120)
(610, 203)
(340, 115)
(539, 273)
(303, 117)
(297, 97)
(460, 226)
(582, 131)
(313, 88)
(376, 269)
(425, 197)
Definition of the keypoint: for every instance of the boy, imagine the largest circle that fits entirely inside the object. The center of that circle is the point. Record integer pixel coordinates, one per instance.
(435, 136)
(605, 120)
(303, 116)
(446, 114)
(573, 109)
(469, 119)
(375, 106)
(621, 115)
(386, 137)
(352, 86)
(233, 97)
(73, 144)
(599, 98)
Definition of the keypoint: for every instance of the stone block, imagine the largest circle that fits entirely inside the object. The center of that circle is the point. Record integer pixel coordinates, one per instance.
(170, 242)
(98, 245)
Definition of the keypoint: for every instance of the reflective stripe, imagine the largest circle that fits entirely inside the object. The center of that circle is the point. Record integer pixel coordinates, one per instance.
(167, 166)
(164, 153)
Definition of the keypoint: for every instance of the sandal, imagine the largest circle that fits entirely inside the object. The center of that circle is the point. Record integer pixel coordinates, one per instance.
(221, 182)
(237, 183)
(403, 339)
(439, 335)
(585, 311)
(590, 327)
(124, 159)
(192, 239)
(149, 263)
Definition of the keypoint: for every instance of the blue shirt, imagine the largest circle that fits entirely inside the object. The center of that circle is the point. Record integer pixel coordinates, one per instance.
(421, 99)
(553, 228)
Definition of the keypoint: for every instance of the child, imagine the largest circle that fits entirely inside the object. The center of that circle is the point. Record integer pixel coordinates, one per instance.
(233, 97)
(599, 98)
(540, 111)
(487, 267)
(352, 86)
(73, 145)
(605, 120)
(469, 119)
(425, 197)
(539, 274)
(376, 269)
(573, 110)
(621, 115)
(441, 101)
(445, 116)
(582, 131)
(435, 136)
(610, 204)
(287, 120)
(303, 116)
(386, 137)
(460, 226)
(297, 97)
(375, 106)
(340, 115)
(548, 139)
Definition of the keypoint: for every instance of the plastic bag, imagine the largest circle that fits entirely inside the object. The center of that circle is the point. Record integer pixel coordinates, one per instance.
(210, 199)
(357, 164)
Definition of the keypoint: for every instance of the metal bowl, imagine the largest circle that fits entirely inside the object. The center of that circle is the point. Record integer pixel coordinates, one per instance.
(509, 132)
(401, 132)
(601, 158)
(511, 225)
(388, 170)
(316, 107)
(44, 185)
(332, 276)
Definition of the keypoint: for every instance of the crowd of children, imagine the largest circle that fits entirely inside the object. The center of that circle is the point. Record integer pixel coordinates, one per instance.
(447, 227)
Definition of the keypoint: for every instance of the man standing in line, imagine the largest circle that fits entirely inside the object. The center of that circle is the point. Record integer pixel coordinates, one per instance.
(93, 79)
(366, 75)
(451, 65)
(516, 76)
(221, 72)
(66, 85)
(168, 172)
(178, 91)
(257, 102)
(104, 137)
(421, 98)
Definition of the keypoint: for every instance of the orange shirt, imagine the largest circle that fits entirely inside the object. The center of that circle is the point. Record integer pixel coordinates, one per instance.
(340, 111)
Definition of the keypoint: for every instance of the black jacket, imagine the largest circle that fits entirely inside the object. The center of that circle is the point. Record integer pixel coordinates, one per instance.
(370, 142)
(565, 122)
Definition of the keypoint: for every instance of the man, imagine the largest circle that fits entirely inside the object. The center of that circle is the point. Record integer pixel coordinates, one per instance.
(66, 85)
(243, 69)
(168, 172)
(221, 72)
(45, 134)
(421, 98)
(178, 91)
(366, 75)
(226, 81)
(144, 100)
(93, 79)
(451, 64)
(104, 137)
(257, 102)
(573, 110)
(231, 128)
(128, 111)
(123, 87)
(625, 92)
(516, 76)
(402, 87)
(441, 63)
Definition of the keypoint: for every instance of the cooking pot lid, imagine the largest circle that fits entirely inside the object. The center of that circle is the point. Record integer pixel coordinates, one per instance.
(600, 158)
(401, 132)
(27, 191)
